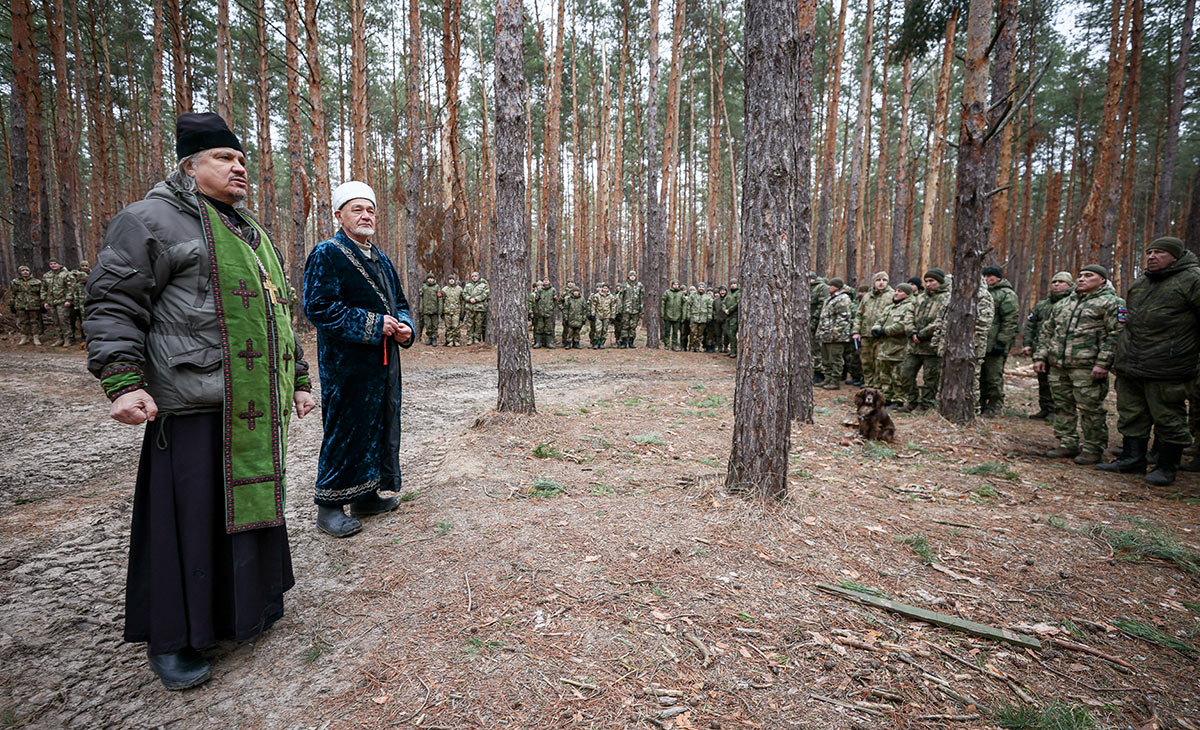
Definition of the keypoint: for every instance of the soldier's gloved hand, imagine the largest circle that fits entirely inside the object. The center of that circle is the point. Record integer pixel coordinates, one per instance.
(591, 318)
(999, 348)
(1040, 366)
(878, 332)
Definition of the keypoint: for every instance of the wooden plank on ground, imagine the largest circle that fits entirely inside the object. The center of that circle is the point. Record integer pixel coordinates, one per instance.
(940, 619)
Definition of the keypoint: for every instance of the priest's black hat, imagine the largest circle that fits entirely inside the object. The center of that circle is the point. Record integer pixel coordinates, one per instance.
(203, 131)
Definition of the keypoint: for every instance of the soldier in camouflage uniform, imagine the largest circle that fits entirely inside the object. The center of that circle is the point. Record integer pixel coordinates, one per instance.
(429, 307)
(566, 293)
(476, 293)
(1060, 287)
(670, 311)
(575, 312)
(630, 305)
(890, 333)
(818, 293)
(545, 303)
(1155, 360)
(854, 369)
(732, 299)
(714, 334)
(922, 356)
(1076, 350)
(1001, 338)
(699, 311)
(78, 294)
(833, 333)
(57, 287)
(452, 311)
(870, 310)
(25, 300)
(601, 310)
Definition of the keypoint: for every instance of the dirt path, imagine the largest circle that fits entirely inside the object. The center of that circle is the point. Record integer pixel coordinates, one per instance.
(549, 569)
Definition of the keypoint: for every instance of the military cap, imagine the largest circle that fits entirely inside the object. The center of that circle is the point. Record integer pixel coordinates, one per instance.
(84, 263)
(52, 260)
(23, 267)
(674, 282)
(937, 275)
(1096, 269)
(602, 283)
(995, 271)
(837, 282)
(1063, 276)
(880, 275)
(732, 283)
(1170, 244)
(906, 288)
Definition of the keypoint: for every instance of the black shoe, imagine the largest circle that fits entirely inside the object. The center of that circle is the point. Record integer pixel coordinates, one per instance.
(856, 383)
(549, 343)
(818, 378)
(1040, 415)
(631, 345)
(537, 342)
(1166, 466)
(621, 343)
(334, 521)
(1132, 459)
(181, 669)
(600, 346)
(372, 504)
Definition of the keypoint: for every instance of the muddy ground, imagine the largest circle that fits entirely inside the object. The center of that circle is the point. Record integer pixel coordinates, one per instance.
(585, 569)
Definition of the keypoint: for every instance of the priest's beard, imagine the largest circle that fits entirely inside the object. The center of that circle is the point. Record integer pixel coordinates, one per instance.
(364, 232)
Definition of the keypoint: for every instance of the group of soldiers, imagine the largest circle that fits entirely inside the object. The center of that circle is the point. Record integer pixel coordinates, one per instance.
(700, 318)
(452, 304)
(57, 295)
(620, 309)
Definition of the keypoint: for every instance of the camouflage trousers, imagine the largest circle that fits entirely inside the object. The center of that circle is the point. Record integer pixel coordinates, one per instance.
(598, 331)
(1142, 404)
(453, 324)
(60, 321)
(476, 322)
(870, 368)
(991, 383)
(30, 321)
(627, 325)
(925, 396)
(713, 335)
(696, 340)
(1045, 399)
(833, 360)
(1079, 400)
(854, 364)
(816, 349)
(731, 329)
(543, 326)
(671, 331)
(570, 334)
(889, 382)
(429, 325)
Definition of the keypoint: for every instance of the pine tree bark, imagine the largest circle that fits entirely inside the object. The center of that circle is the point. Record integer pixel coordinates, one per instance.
(412, 198)
(1162, 204)
(654, 259)
(64, 146)
(856, 183)
(800, 391)
(510, 312)
(320, 134)
(177, 22)
(669, 198)
(937, 146)
(758, 460)
(359, 105)
(299, 184)
(1000, 153)
(157, 169)
(825, 203)
(898, 265)
(1191, 236)
(25, 80)
(970, 224)
(880, 208)
(224, 92)
(262, 114)
(550, 217)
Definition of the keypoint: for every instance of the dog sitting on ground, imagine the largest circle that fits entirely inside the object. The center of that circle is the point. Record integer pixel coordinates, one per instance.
(874, 423)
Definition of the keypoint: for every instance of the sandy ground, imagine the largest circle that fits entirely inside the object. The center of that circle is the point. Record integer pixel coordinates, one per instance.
(584, 568)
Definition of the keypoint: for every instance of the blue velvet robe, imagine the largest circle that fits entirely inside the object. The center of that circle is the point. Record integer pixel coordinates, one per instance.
(345, 297)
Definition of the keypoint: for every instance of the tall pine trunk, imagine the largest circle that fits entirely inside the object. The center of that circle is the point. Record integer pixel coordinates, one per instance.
(654, 259)
(298, 184)
(825, 204)
(933, 160)
(800, 392)
(857, 181)
(898, 265)
(64, 145)
(1162, 203)
(320, 136)
(412, 198)
(262, 97)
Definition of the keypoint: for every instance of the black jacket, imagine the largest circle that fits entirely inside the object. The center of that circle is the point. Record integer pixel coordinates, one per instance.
(1161, 339)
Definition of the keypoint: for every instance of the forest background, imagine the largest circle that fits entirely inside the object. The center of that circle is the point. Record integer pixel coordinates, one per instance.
(1101, 152)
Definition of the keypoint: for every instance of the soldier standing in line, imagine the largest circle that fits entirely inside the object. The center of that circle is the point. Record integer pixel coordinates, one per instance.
(25, 300)
(1155, 360)
(78, 294)
(985, 309)
(452, 310)
(670, 311)
(58, 285)
(1060, 287)
(699, 313)
(922, 356)
(870, 310)
(1001, 337)
(854, 368)
(566, 293)
(819, 292)
(716, 326)
(732, 299)
(601, 309)
(575, 311)
(630, 305)
(891, 332)
(1075, 349)
(545, 303)
(429, 306)
(476, 293)
(833, 332)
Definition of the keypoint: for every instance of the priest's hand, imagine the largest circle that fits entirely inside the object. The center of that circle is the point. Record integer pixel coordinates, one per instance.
(403, 333)
(390, 325)
(303, 402)
(134, 408)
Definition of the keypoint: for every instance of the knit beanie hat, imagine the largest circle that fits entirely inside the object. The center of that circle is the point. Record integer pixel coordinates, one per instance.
(880, 275)
(1096, 269)
(907, 288)
(995, 271)
(1170, 244)
(1063, 276)
(937, 275)
(197, 132)
(837, 282)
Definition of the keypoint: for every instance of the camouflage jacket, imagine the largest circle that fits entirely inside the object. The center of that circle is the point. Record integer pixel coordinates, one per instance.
(630, 300)
(602, 306)
(896, 323)
(925, 314)
(545, 301)
(818, 293)
(57, 287)
(870, 309)
(1161, 337)
(452, 299)
(985, 314)
(1035, 324)
(718, 310)
(1004, 324)
(1082, 330)
(699, 307)
(480, 292)
(671, 305)
(834, 324)
(732, 300)
(575, 311)
(26, 294)
(430, 299)
(79, 287)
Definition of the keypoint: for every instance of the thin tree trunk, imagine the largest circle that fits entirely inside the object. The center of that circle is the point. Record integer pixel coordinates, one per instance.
(880, 208)
(298, 183)
(1126, 118)
(800, 391)
(1162, 204)
(224, 91)
(360, 108)
(669, 198)
(177, 22)
(825, 203)
(1191, 236)
(412, 198)
(937, 145)
(1000, 152)
(856, 183)
(320, 135)
(157, 158)
(510, 313)
(898, 265)
(262, 96)
(654, 260)
(65, 148)
(23, 123)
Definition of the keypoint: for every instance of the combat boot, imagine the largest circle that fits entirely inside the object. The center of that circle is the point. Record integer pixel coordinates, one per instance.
(1167, 465)
(537, 342)
(37, 340)
(181, 669)
(1040, 415)
(372, 504)
(334, 521)
(549, 342)
(1132, 459)
(62, 342)
(621, 343)
(631, 345)
(24, 340)
(575, 344)
(1062, 452)
(1087, 459)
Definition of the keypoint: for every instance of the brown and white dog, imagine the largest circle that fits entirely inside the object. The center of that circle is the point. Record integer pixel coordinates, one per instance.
(874, 423)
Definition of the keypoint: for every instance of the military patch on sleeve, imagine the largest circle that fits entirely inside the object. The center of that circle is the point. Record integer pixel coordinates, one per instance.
(1121, 313)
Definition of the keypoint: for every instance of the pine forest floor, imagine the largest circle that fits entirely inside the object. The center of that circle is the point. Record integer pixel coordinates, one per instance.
(584, 568)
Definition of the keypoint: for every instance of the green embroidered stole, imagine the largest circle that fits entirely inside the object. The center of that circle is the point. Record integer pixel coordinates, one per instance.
(258, 357)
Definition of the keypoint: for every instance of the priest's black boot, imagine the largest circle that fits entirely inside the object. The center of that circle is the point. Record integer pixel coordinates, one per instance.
(1132, 459)
(372, 504)
(334, 521)
(181, 669)
(1166, 466)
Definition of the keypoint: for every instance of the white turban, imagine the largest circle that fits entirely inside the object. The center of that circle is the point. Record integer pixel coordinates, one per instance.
(352, 190)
